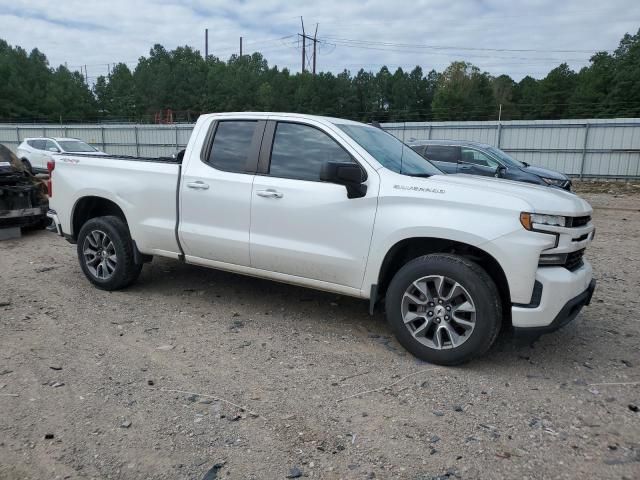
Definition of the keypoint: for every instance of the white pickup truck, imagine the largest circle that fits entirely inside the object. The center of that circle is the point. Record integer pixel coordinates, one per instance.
(339, 206)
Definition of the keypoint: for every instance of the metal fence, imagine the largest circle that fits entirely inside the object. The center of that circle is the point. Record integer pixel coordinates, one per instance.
(121, 139)
(603, 148)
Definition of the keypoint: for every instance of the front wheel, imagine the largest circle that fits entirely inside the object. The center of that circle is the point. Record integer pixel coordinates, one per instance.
(444, 309)
(105, 252)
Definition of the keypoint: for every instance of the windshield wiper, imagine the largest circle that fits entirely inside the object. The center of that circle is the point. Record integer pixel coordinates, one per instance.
(420, 175)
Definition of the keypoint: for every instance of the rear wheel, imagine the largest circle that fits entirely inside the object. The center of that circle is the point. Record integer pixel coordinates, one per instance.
(105, 252)
(444, 309)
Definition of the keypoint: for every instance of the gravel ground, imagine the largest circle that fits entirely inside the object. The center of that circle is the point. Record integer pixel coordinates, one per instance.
(193, 371)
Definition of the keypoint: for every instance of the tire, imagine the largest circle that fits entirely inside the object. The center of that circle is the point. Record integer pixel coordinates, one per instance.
(112, 267)
(27, 165)
(474, 314)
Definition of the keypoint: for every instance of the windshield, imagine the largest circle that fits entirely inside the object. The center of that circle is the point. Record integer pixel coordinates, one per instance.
(512, 162)
(390, 152)
(75, 146)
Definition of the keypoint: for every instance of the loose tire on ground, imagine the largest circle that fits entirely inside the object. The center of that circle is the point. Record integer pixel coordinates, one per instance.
(475, 302)
(119, 243)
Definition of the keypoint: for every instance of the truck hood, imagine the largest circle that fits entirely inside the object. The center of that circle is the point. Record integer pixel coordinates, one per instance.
(542, 199)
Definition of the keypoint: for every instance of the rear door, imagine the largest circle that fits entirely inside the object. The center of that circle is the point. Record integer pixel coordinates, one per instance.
(215, 193)
(445, 157)
(301, 225)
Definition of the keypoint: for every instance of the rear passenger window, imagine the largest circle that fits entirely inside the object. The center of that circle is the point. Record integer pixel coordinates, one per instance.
(231, 145)
(299, 152)
(37, 144)
(442, 153)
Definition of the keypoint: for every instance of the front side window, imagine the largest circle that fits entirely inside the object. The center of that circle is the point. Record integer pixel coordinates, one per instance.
(419, 149)
(299, 152)
(476, 157)
(231, 145)
(443, 153)
(510, 161)
(390, 152)
(49, 145)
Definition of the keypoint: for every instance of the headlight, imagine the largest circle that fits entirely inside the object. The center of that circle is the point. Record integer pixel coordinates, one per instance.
(553, 181)
(528, 220)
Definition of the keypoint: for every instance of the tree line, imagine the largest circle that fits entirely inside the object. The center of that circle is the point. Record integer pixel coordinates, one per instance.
(183, 81)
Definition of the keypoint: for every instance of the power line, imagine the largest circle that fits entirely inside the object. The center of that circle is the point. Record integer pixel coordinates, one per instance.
(451, 47)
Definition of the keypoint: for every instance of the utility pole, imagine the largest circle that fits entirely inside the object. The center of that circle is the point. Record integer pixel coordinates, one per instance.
(304, 38)
(313, 39)
(86, 75)
(240, 47)
(315, 35)
(206, 43)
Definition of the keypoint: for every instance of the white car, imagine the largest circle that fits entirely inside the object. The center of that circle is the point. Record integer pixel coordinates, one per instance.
(343, 207)
(36, 152)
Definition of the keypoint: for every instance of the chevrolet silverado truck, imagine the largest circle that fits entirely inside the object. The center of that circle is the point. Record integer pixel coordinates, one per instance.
(343, 207)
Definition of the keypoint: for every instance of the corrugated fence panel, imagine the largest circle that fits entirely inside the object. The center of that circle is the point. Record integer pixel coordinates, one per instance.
(608, 148)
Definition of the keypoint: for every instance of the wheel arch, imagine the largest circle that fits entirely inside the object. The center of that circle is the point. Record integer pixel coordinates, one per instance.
(409, 248)
(92, 206)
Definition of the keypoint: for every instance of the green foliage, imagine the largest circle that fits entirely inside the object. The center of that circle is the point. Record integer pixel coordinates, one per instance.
(183, 81)
(463, 93)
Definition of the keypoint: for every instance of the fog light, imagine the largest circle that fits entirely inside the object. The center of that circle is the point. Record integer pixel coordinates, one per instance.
(553, 259)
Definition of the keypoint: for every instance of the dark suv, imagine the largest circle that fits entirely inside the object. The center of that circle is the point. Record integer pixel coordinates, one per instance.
(459, 156)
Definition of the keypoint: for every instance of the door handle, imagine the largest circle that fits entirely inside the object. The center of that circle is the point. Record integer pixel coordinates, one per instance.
(198, 185)
(269, 193)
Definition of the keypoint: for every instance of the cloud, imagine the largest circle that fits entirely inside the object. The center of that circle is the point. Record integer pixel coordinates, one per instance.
(353, 33)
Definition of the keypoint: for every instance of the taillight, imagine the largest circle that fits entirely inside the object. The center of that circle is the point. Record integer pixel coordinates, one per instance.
(51, 165)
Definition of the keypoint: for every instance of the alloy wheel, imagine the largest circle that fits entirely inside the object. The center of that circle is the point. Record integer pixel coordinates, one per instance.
(100, 254)
(438, 312)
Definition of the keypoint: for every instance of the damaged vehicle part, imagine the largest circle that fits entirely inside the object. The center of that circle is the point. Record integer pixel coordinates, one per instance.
(23, 197)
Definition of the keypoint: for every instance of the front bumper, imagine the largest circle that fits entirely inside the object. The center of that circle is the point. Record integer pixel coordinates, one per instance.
(564, 293)
(567, 314)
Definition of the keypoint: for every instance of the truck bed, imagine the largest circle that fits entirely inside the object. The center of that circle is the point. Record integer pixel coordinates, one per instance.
(145, 187)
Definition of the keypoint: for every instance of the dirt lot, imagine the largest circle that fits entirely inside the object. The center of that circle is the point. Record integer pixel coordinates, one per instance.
(101, 373)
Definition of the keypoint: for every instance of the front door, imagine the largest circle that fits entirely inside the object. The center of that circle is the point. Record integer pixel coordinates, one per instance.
(215, 193)
(301, 225)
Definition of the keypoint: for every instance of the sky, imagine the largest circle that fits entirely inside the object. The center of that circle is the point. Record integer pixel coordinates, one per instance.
(518, 38)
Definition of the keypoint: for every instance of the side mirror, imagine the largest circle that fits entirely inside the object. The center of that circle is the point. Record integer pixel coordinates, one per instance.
(350, 175)
(501, 171)
(53, 149)
(178, 156)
